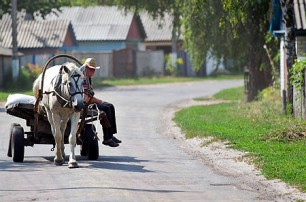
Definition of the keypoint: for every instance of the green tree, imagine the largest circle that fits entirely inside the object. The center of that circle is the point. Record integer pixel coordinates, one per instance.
(154, 7)
(206, 29)
(252, 18)
(44, 7)
(157, 8)
(87, 2)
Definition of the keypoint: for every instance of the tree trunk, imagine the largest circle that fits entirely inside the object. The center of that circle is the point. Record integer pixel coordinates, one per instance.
(259, 77)
(288, 17)
(259, 80)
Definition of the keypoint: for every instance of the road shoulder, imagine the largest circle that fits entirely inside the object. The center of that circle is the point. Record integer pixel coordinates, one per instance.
(227, 161)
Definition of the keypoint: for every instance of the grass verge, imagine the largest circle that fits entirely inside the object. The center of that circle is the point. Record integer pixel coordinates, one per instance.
(5, 94)
(276, 141)
(159, 80)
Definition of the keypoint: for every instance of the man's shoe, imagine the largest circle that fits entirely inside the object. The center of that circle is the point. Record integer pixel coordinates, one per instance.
(116, 140)
(110, 143)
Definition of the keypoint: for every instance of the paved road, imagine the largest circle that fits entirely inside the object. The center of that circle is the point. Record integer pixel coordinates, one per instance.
(148, 166)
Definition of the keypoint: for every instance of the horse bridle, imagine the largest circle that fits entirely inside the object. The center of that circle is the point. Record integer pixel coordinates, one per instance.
(71, 90)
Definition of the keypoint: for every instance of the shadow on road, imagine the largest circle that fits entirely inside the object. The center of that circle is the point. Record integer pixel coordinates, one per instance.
(123, 163)
(98, 188)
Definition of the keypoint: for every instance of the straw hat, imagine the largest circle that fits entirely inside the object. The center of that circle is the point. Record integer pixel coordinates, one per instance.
(91, 63)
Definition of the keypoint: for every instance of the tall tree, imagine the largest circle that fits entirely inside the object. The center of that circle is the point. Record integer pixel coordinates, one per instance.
(253, 17)
(206, 30)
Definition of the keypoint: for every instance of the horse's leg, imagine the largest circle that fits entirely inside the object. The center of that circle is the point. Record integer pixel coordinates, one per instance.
(63, 128)
(72, 140)
(55, 122)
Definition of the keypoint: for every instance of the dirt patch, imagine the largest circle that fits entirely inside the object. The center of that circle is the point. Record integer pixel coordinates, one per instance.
(227, 161)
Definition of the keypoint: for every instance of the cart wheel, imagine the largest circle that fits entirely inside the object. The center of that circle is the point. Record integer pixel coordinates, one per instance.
(9, 151)
(92, 142)
(17, 143)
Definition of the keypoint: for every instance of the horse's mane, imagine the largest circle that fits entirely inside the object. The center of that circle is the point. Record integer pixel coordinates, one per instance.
(72, 67)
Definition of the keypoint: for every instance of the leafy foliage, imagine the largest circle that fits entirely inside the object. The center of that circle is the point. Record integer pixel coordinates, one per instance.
(26, 77)
(154, 7)
(42, 7)
(297, 74)
(207, 29)
(87, 2)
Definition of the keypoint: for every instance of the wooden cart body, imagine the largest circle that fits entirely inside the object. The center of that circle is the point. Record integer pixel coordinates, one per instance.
(20, 138)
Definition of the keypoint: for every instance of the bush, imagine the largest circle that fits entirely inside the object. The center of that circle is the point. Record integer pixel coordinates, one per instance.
(27, 76)
(172, 66)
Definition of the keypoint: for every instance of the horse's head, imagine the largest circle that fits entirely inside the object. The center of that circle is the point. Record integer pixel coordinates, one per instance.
(73, 78)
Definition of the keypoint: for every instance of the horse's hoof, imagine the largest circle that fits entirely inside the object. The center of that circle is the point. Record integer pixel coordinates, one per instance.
(73, 165)
(59, 162)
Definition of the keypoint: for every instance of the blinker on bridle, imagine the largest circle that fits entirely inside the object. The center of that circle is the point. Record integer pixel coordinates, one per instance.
(71, 90)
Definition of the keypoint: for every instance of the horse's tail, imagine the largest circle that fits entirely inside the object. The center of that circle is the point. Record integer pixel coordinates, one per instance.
(36, 87)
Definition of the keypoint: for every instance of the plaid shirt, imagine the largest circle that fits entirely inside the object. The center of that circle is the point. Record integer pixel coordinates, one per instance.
(87, 83)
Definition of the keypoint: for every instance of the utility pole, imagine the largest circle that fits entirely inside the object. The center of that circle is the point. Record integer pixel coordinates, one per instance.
(15, 60)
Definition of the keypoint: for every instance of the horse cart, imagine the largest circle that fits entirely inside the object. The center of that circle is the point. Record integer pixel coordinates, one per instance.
(25, 107)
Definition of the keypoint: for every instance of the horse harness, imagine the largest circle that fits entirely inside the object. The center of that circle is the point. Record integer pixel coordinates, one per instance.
(59, 86)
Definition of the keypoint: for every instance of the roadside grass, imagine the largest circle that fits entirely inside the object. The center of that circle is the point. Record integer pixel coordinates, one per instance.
(231, 94)
(160, 80)
(6, 93)
(277, 142)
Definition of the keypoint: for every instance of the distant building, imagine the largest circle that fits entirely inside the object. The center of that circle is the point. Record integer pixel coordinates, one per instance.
(38, 40)
(106, 33)
(5, 64)
(102, 28)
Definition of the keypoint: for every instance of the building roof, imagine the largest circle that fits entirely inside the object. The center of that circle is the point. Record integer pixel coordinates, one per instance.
(159, 29)
(34, 34)
(299, 13)
(96, 23)
(5, 51)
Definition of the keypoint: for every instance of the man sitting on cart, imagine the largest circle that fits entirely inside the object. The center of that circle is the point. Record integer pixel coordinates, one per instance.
(88, 68)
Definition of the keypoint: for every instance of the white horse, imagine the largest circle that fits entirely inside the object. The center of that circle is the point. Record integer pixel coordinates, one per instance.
(62, 100)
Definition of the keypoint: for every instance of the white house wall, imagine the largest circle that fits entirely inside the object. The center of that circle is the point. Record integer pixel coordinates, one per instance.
(212, 65)
(149, 62)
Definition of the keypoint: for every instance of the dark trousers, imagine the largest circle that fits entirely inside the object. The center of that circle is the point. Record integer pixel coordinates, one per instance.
(109, 110)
